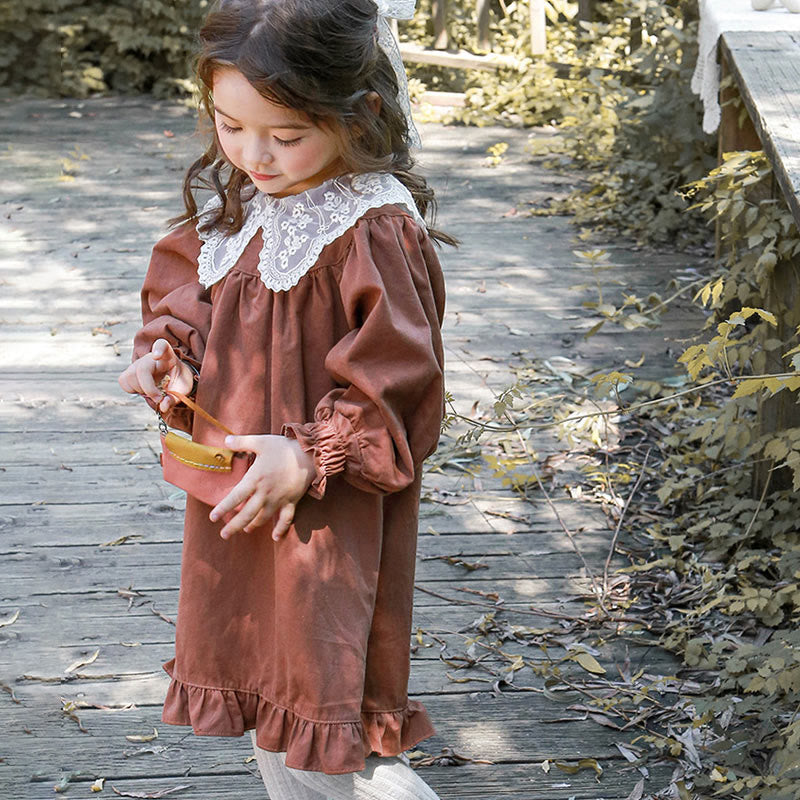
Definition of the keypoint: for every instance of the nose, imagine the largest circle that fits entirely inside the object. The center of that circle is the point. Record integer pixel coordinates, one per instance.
(256, 153)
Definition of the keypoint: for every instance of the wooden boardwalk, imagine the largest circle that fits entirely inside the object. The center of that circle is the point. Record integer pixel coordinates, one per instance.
(90, 536)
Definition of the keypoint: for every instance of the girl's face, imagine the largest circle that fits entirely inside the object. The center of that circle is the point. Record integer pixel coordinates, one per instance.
(281, 150)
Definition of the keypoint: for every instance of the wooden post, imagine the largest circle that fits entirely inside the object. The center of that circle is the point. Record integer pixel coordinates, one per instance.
(482, 13)
(733, 135)
(538, 28)
(585, 11)
(441, 41)
(780, 412)
(636, 33)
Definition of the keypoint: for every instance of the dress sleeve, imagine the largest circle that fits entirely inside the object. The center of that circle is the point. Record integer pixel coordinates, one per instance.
(175, 306)
(384, 418)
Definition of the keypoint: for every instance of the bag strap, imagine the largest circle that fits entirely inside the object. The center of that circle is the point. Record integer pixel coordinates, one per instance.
(187, 401)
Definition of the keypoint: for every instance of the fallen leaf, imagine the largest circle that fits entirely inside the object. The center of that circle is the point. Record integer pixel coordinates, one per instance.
(634, 364)
(6, 688)
(97, 786)
(638, 791)
(135, 737)
(11, 620)
(584, 763)
(61, 786)
(589, 663)
(68, 710)
(169, 134)
(121, 540)
(82, 662)
(447, 758)
(631, 758)
(160, 615)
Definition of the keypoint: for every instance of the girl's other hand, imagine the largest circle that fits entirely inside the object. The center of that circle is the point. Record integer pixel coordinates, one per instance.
(278, 477)
(145, 375)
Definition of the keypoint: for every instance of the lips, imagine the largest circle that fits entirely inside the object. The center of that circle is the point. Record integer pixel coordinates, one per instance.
(259, 177)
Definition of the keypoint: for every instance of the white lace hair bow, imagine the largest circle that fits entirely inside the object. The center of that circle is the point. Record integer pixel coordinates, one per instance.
(397, 9)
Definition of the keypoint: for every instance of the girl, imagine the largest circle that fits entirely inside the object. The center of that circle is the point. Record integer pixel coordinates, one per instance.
(303, 306)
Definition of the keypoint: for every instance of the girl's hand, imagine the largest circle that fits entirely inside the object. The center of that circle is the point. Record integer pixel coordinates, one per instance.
(145, 374)
(279, 476)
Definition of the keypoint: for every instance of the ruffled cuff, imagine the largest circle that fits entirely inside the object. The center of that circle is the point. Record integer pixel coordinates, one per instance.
(322, 441)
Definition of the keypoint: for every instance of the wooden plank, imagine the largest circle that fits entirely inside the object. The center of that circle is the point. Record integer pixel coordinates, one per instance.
(507, 728)
(526, 781)
(440, 515)
(50, 634)
(459, 59)
(766, 67)
(139, 645)
(161, 579)
(132, 672)
(79, 569)
(538, 27)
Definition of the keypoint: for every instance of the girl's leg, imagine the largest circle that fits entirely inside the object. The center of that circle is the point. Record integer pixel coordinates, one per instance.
(280, 782)
(382, 779)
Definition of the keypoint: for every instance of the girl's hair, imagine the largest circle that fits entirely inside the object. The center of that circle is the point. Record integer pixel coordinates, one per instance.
(320, 57)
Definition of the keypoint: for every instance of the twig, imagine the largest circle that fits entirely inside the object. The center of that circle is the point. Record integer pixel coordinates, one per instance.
(567, 531)
(459, 602)
(619, 521)
(758, 507)
(627, 409)
(531, 610)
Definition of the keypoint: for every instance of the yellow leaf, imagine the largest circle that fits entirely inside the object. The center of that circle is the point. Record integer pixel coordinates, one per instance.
(584, 763)
(143, 738)
(589, 663)
(717, 776)
(82, 662)
(97, 786)
(773, 384)
(748, 387)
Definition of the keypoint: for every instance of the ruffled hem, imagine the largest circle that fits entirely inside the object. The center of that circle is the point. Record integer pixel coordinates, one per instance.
(330, 747)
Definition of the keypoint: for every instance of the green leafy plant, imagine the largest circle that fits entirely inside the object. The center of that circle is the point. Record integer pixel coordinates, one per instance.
(77, 48)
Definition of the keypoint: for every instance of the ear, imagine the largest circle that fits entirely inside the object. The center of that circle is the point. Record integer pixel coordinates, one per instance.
(374, 101)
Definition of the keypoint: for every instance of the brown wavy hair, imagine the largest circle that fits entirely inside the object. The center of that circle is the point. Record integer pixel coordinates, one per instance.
(320, 57)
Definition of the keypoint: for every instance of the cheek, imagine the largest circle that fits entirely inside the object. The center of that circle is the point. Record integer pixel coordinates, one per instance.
(228, 146)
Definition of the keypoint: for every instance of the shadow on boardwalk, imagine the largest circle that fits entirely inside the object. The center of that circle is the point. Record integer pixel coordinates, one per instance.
(90, 535)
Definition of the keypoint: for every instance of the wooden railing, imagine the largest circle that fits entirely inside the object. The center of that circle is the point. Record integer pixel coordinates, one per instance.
(440, 54)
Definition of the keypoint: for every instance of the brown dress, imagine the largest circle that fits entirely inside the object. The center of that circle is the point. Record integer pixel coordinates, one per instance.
(307, 639)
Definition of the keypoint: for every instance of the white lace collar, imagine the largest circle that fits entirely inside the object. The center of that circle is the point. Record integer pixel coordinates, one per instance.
(296, 228)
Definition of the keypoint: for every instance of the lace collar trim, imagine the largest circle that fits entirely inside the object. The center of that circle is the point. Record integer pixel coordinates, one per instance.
(296, 228)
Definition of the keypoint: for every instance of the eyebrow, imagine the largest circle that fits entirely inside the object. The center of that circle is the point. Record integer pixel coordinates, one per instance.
(300, 126)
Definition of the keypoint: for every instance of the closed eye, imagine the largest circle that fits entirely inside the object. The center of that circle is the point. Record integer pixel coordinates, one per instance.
(288, 142)
(227, 128)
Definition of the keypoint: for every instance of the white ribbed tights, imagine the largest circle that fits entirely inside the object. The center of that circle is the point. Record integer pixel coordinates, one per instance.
(382, 779)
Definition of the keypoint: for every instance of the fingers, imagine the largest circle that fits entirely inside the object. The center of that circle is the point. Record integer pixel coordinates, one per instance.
(164, 355)
(253, 512)
(143, 376)
(284, 522)
(246, 444)
(238, 495)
